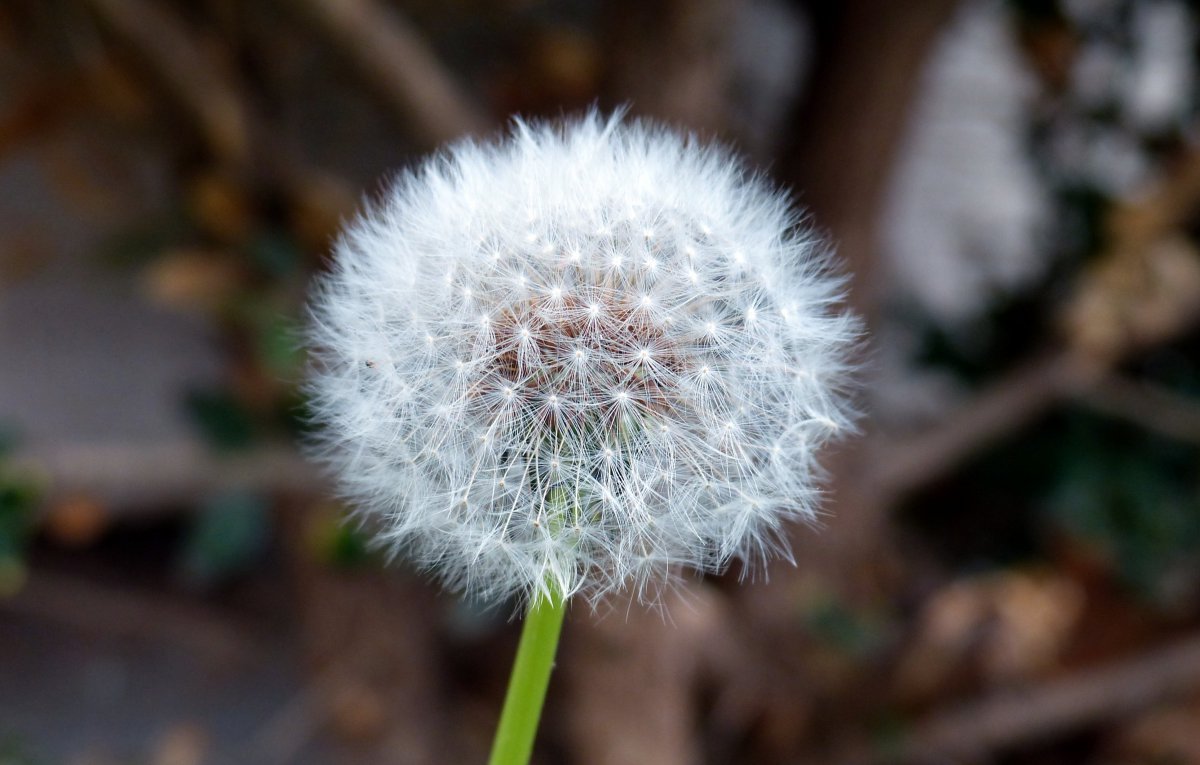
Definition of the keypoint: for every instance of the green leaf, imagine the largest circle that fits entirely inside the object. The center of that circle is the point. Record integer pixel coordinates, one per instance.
(16, 750)
(279, 344)
(836, 624)
(222, 420)
(18, 508)
(1134, 497)
(228, 536)
(138, 245)
(275, 255)
(349, 547)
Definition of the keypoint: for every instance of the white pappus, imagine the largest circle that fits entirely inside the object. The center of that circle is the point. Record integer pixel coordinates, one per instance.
(579, 358)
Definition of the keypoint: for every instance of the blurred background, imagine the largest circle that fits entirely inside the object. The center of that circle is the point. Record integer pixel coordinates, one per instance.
(1010, 569)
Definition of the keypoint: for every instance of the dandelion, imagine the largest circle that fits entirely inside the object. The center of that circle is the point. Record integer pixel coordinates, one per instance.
(579, 360)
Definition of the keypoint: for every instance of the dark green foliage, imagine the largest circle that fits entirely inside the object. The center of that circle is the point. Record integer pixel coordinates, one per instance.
(19, 498)
(836, 624)
(1133, 496)
(275, 255)
(229, 534)
(349, 547)
(277, 338)
(140, 245)
(224, 422)
(14, 750)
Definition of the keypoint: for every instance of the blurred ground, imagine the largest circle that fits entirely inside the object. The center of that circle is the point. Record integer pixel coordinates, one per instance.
(1009, 573)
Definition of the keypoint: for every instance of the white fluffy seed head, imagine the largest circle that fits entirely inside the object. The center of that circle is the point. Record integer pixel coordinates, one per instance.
(579, 358)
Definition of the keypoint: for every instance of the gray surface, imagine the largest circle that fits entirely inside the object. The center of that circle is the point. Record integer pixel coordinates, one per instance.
(70, 696)
(85, 357)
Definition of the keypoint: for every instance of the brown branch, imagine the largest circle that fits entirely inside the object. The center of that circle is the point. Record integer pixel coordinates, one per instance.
(237, 136)
(845, 140)
(35, 112)
(906, 464)
(393, 58)
(1144, 291)
(1015, 718)
(867, 74)
(671, 59)
(1150, 406)
(661, 652)
(190, 77)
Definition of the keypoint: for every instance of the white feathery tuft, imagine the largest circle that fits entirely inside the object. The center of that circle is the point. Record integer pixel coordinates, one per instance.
(579, 358)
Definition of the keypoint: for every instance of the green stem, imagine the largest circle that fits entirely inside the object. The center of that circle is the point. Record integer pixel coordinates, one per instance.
(513, 744)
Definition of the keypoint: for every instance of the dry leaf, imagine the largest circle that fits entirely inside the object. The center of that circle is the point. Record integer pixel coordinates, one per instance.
(192, 279)
(184, 743)
(76, 521)
(1165, 735)
(1001, 628)
(222, 207)
(1137, 297)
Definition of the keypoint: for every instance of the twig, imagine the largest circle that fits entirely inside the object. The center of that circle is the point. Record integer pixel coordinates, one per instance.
(400, 66)
(1141, 244)
(686, 45)
(233, 132)
(1150, 406)
(183, 71)
(906, 464)
(1014, 718)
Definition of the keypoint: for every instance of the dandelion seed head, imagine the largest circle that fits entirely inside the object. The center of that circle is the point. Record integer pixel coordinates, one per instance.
(585, 341)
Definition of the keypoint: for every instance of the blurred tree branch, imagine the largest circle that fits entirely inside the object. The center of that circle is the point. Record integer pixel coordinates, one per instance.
(1012, 718)
(870, 57)
(671, 59)
(847, 131)
(194, 80)
(1153, 407)
(666, 652)
(905, 464)
(849, 126)
(1143, 291)
(394, 60)
(238, 138)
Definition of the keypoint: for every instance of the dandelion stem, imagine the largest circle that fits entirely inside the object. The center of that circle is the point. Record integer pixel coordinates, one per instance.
(513, 744)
